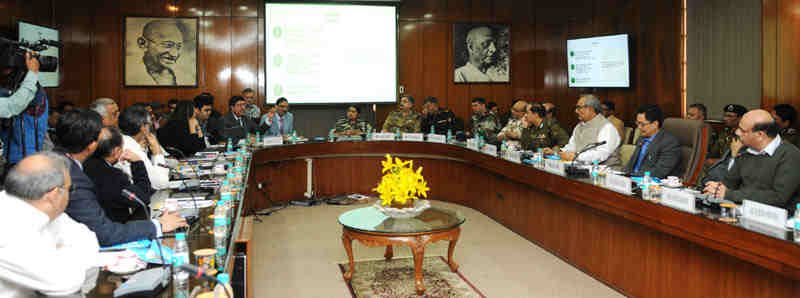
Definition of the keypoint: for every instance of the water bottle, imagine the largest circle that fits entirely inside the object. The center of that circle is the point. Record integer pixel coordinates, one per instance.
(539, 157)
(503, 148)
(258, 138)
(223, 285)
(646, 181)
(331, 135)
(220, 233)
(180, 256)
(229, 147)
(433, 130)
(369, 134)
(797, 224)
(397, 135)
(294, 137)
(449, 136)
(595, 172)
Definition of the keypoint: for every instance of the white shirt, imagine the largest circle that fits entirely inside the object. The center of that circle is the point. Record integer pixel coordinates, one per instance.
(607, 133)
(40, 255)
(159, 176)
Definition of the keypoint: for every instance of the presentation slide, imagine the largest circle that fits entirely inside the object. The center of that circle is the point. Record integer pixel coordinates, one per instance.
(331, 53)
(598, 61)
(33, 33)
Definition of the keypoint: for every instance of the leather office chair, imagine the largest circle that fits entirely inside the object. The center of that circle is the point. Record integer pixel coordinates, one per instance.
(626, 139)
(636, 134)
(693, 136)
(625, 152)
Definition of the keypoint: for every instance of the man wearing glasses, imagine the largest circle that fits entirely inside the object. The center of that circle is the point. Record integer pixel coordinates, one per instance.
(594, 138)
(162, 42)
(657, 151)
(766, 169)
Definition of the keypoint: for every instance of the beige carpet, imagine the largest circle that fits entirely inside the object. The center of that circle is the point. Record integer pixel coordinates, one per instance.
(297, 249)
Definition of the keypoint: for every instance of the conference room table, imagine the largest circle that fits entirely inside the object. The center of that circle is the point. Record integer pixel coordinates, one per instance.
(198, 236)
(639, 248)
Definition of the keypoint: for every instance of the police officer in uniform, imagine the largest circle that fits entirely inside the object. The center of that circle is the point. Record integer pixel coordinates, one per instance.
(733, 113)
(540, 132)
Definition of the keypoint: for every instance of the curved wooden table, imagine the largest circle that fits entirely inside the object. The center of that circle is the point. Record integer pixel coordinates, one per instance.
(432, 225)
(637, 247)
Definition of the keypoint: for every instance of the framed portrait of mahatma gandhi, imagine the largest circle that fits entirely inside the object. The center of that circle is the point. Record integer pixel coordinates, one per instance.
(481, 53)
(160, 52)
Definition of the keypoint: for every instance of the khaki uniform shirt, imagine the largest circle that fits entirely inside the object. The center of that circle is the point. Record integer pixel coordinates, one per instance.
(721, 142)
(548, 134)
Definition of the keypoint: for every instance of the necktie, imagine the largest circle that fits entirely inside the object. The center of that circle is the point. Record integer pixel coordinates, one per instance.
(280, 126)
(642, 153)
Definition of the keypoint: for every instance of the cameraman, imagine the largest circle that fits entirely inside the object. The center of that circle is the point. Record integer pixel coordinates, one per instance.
(11, 105)
(25, 113)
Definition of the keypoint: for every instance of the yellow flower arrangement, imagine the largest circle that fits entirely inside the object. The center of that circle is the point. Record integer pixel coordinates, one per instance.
(400, 184)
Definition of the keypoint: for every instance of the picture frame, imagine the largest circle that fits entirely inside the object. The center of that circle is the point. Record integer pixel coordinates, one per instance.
(481, 53)
(160, 51)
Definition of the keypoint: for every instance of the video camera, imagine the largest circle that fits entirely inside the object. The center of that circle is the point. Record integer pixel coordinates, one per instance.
(12, 54)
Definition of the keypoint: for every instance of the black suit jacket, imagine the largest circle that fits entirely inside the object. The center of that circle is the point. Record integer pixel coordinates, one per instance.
(110, 181)
(230, 128)
(662, 158)
(176, 134)
(84, 208)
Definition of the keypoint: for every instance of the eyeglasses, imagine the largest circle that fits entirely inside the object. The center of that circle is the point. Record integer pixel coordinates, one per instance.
(167, 44)
(71, 188)
(641, 124)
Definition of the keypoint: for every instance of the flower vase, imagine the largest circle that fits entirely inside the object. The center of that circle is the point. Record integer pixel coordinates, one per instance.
(407, 210)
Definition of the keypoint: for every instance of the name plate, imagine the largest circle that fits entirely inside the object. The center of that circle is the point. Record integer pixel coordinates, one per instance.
(383, 136)
(489, 149)
(472, 144)
(513, 156)
(620, 184)
(272, 141)
(554, 166)
(416, 137)
(434, 138)
(678, 199)
(764, 214)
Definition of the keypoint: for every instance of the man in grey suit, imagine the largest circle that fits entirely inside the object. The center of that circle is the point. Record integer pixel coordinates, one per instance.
(657, 151)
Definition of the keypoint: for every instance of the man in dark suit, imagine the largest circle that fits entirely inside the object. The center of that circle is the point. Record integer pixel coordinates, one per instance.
(77, 132)
(235, 125)
(657, 151)
(110, 181)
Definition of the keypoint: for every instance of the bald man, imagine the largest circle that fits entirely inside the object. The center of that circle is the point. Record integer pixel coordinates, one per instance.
(767, 169)
(512, 132)
(162, 42)
(43, 250)
(481, 48)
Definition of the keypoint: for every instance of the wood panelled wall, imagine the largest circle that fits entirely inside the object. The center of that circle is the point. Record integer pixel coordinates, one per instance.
(539, 30)
(781, 52)
(231, 48)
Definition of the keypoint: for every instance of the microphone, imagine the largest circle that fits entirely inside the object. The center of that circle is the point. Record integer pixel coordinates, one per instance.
(199, 273)
(575, 172)
(134, 198)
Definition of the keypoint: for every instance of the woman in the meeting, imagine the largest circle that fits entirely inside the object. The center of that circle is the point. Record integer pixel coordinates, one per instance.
(183, 131)
(352, 125)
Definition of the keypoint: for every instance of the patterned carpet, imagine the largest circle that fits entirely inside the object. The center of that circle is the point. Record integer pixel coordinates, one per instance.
(379, 278)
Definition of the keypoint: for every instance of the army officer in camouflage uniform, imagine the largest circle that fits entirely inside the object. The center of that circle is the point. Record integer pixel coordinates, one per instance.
(482, 122)
(404, 118)
(540, 132)
(352, 125)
